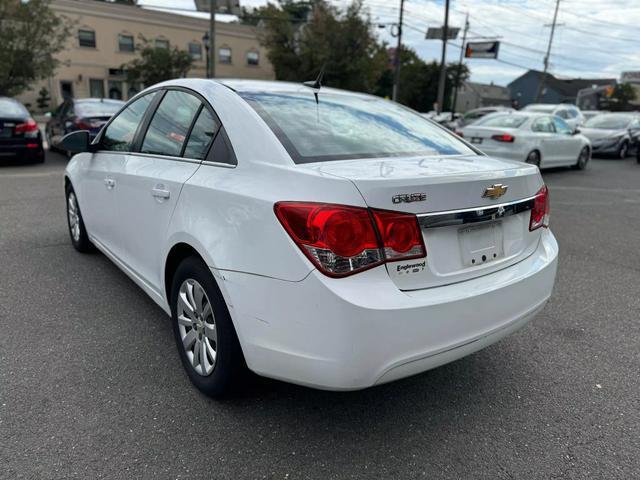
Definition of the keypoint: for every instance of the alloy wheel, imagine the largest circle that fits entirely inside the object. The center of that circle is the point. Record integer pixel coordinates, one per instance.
(197, 327)
(534, 158)
(73, 213)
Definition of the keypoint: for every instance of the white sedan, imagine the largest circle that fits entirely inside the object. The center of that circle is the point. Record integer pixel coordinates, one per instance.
(539, 139)
(322, 237)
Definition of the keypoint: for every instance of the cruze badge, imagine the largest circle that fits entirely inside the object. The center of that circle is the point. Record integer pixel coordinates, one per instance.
(409, 197)
(495, 191)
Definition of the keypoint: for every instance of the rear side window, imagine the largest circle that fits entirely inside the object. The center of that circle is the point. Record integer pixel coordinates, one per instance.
(120, 133)
(201, 136)
(504, 121)
(343, 126)
(170, 124)
(543, 125)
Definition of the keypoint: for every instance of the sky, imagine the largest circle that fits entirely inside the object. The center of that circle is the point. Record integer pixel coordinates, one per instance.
(593, 39)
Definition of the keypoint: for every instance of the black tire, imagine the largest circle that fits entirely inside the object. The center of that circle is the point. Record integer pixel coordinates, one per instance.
(583, 159)
(229, 368)
(623, 150)
(80, 241)
(534, 158)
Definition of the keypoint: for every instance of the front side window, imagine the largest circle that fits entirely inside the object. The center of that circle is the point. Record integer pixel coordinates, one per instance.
(170, 124)
(343, 126)
(253, 58)
(561, 126)
(126, 43)
(562, 114)
(195, 50)
(224, 55)
(120, 133)
(87, 38)
(203, 132)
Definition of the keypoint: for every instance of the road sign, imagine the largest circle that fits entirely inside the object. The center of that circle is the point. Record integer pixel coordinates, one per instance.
(482, 49)
(438, 32)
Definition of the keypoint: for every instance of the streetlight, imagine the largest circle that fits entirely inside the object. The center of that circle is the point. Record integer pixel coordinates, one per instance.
(207, 44)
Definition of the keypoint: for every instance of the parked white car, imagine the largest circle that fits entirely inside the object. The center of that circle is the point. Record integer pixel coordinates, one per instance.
(539, 139)
(322, 237)
(569, 113)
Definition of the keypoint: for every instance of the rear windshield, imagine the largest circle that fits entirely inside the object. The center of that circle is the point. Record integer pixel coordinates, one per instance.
(504, 121)
(97, 108)
(11, 108)
(343, 127)
(609, 122)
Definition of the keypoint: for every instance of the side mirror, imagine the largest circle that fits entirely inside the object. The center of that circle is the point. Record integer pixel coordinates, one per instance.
(576, 131)
(77, 142)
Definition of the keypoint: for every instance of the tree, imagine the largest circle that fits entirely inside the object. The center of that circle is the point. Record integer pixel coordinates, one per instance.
(419, 81)
(622, 95)
(157, 64)
(43, 101)
(303, 37)
(31, 34)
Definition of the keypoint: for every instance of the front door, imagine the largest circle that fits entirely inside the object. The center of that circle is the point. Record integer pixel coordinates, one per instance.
(99, 196)
(568, 143)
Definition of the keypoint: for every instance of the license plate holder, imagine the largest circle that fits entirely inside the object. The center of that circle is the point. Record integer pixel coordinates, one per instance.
(481, 244)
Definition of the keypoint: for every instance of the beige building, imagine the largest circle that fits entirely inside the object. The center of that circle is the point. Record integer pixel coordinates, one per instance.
(104, 38)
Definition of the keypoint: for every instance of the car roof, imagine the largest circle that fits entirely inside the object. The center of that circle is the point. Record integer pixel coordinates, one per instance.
(111, 101)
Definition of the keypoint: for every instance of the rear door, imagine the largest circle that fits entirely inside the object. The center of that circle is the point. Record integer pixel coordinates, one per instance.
(176, 140)
(547, 140)
(568, 144)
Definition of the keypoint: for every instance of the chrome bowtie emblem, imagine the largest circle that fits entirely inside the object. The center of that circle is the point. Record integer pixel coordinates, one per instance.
(409, 197)
(495, 191)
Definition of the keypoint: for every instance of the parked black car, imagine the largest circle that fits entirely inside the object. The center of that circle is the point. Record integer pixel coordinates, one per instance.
(613, 134)
(80, 114)
(20, 138)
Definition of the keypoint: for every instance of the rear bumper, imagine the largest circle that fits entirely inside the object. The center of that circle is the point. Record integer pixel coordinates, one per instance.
(352, 333)
(20, 151)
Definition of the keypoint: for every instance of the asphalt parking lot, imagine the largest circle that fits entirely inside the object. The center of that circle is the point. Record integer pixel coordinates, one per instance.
(91, 385)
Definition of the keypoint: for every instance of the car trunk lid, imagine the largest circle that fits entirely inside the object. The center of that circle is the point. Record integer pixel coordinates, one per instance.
(467, 233)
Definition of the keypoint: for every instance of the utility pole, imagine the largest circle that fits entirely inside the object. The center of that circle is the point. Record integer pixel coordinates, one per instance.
(546, 58)
(212, 38)
(396, 60)
(459, 73)
(443, 70)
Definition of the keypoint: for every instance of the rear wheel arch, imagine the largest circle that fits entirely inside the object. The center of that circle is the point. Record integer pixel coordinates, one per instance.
(177, 253)
(536, 151)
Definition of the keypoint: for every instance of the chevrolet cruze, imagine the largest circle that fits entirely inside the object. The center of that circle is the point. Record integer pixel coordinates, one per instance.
(322, 237)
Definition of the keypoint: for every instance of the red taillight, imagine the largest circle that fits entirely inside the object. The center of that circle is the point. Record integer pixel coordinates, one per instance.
(341, 240)
(400, 235)
(32, 145)
(541, 210)
(26, 127)
(505, 137)
(459, 133)
(82, 124)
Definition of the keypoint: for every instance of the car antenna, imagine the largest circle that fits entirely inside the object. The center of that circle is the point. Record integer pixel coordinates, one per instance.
(316, 84)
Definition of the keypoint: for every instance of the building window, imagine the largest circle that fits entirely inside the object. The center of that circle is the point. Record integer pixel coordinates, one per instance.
(162, 43)
(125, 43)
(253, 58)
(96, 87)
(87, 38)
(224, 55)
(115, 89)
(195, 50)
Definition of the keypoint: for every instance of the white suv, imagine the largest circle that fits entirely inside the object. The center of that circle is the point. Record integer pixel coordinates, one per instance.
(569, 113)
(322, 237)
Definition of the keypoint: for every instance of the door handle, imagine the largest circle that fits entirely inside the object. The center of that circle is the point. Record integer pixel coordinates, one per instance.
(159, 192)
(109, 183)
